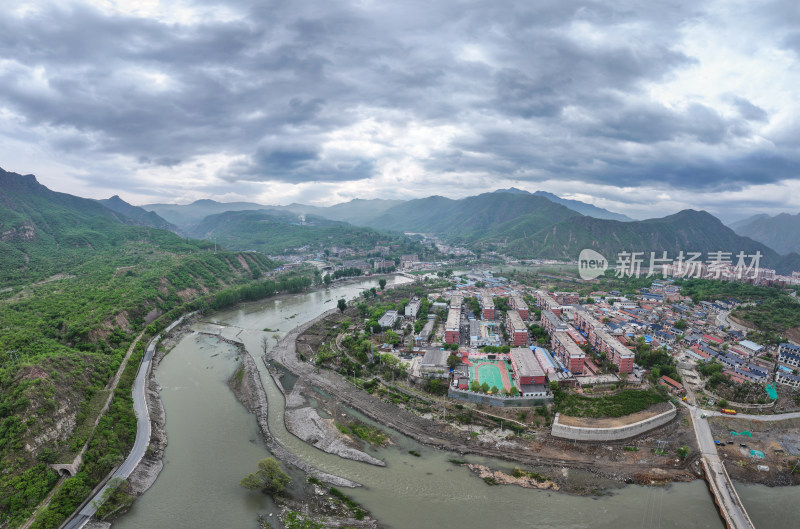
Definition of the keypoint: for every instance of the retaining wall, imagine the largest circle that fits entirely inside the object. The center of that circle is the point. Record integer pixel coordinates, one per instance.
(491, 400)
(579, 433)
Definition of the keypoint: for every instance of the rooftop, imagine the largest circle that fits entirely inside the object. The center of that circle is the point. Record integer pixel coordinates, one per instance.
(527, 365)
(453, 319)
(516, 321)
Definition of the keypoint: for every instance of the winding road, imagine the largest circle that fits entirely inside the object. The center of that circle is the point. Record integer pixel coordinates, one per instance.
(82, 517)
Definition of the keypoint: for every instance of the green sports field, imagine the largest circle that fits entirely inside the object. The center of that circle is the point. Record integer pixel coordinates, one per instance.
(491, 372)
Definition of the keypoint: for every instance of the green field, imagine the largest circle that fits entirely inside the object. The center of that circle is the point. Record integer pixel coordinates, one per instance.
(489, 371)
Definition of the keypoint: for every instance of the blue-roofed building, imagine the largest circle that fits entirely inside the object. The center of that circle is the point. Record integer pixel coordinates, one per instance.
(787, 379)
(789, 354)
(652, 297)
(751, 375)
(763, 372)
(730, 360)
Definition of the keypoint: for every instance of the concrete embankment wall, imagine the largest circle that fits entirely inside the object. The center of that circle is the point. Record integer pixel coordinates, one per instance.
(505, 402)
(579, 433)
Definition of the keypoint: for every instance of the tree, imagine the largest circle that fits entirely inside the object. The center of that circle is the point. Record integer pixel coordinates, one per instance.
(382, 283)
(681, 324)
(494, 389)
(342, 304)
(513, 391)
(683, 452)
(392, 337)
(269, 477)
(485, 387)
(453, 361)
(475, 386)
(327, 279)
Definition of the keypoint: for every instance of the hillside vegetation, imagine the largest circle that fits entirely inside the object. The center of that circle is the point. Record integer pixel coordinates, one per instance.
(771, 310)
(497, 217)
(278, 233)
(81, 282)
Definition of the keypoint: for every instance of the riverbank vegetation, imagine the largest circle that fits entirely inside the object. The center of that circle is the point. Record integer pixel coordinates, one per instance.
(371, 434)
(269, 477)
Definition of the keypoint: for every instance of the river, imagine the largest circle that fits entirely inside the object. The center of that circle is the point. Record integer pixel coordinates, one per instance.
(214, 442)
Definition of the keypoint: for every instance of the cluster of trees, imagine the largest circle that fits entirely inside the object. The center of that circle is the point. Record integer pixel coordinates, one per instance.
(484, 388)
(346, 272)
(713, 371)
(538, 334)
(475, 305)
(658, 361)
(259, 290)
(269, 477)
(496, 349)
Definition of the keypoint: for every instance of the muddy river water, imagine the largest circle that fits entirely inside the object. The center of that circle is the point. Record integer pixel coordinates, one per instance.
(214, 442)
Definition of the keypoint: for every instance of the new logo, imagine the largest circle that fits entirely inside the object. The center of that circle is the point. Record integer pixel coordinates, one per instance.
(591, 264)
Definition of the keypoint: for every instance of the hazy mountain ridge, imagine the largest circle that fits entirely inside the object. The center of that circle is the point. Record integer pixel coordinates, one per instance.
(139, 215)
(781, 232)
(735, 225)
(187, 215)
(467, 220)
(583, 208)
(575, 205)
(276, 232)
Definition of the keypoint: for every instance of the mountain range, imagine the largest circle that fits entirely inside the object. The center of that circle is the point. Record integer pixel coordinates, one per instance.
(279, 231)
(138, 215)
(518, 223)
(781, 232)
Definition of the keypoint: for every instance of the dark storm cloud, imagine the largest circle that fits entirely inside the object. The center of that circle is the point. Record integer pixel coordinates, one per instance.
(297, 164)
(533, 89)
(749, 111)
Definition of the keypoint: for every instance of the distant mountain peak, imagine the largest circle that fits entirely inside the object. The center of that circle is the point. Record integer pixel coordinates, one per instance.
(583, 208)
(514, 191)
(781, 232)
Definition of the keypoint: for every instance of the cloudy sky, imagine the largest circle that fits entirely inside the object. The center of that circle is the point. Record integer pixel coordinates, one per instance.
(644, 108)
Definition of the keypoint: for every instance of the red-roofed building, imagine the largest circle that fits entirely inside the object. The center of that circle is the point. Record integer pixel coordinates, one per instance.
(673, 385)
(715, 339)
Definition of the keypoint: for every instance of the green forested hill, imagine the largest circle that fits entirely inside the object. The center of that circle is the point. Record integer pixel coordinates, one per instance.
(490, 216)
(78, 283)
(781, 232)
(140, 216)
(277, 232)
(44, 233)
(688, 231)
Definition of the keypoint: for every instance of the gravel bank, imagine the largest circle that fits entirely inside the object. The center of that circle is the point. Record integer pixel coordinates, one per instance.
(252, 395)
(305, 423)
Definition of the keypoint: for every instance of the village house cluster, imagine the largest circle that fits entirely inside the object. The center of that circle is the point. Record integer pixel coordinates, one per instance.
(589, 341)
